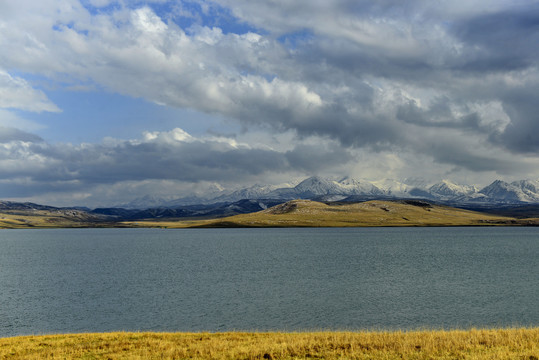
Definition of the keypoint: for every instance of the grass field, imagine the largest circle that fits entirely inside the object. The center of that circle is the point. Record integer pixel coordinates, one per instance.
(37, 219)
(306, 213)
(520, 344)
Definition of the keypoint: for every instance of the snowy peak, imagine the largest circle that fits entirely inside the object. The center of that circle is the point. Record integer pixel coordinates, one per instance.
(446, 188)
(349, 182)
(501, 190)
(253, 192)
(524, 191)
(359, 187)
(517, 191)
(144, 202)
(528, 187)
(317, 186)
(393, 187)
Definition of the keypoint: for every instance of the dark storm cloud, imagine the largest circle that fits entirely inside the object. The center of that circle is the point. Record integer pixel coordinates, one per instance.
(465, 157)
(506, 40)
(521, 135)
(308, 158)
(439, 115)
(139, 161)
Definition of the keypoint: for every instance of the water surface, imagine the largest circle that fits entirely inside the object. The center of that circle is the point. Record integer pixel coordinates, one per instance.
(81, 280)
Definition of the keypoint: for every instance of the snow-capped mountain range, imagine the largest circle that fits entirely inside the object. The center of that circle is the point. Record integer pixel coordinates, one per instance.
(318, 188)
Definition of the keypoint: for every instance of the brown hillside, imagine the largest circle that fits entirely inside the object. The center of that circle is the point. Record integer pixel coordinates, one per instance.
(306, 213)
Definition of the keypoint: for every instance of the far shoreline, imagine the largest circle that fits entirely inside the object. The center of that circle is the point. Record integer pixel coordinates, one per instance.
(291, 214)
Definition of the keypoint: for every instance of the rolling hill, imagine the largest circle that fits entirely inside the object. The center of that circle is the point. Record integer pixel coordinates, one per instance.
(307, 213)
(294, 213)
(49, 218)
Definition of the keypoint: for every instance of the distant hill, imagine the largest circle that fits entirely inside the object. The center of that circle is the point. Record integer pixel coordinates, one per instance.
(369, 209)
(371, 213)
(28, 215)
(307, 213)
(213, 210)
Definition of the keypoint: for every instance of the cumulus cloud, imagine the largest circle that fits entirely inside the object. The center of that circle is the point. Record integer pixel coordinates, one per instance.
(452, 82)
(174, 156)
(448, 50)
(503, 39)
(16, 93)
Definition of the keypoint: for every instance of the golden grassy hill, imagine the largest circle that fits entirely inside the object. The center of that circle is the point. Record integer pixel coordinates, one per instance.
(370, 213)
(500, 344)
(24, 219)
(306, 213)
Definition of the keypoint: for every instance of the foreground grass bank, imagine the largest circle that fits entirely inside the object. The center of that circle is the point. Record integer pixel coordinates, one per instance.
(471, 344)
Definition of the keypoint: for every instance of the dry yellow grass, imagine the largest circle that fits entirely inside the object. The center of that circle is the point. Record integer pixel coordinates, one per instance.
(43, 219)
(472, 344)
(306, 213)
(38, 219)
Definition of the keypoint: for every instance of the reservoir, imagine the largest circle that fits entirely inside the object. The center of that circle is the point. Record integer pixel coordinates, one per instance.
(94, 280)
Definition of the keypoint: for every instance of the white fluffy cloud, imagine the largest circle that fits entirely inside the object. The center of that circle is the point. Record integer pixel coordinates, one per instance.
(16, 93)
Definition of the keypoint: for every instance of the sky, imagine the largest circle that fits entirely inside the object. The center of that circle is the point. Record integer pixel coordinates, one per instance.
(104, 101)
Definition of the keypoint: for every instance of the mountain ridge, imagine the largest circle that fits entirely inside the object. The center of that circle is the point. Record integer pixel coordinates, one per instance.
(498, 192)
(518, 198)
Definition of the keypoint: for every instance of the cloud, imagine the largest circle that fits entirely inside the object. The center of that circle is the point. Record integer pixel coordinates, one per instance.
(10, 119)
(174, 156)
(16, 93)
(11, 134)
(453, 82)
(175, 163)
(503, 40)
(315, 158)
(523, 109)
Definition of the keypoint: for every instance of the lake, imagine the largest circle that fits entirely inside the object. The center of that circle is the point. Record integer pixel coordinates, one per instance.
(93, 280)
